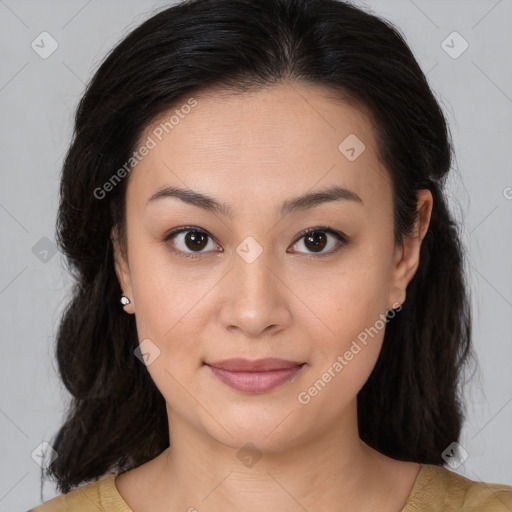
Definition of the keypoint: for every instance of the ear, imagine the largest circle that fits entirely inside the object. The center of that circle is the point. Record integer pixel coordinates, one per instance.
(122, 271)
(407, 256)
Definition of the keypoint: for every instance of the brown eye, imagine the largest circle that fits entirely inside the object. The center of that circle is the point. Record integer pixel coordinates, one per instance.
(187, 241)
(195, 240)
(315, 240)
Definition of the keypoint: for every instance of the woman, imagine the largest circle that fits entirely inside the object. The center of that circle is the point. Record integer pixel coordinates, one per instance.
(270, 310)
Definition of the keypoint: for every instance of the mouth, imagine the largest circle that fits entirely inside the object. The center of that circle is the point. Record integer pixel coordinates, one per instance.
(257, 376)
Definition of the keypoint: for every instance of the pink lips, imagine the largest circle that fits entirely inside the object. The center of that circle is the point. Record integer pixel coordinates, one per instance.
(254, 376)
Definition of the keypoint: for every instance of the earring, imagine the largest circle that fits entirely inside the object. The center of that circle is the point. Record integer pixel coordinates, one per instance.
(125, 301)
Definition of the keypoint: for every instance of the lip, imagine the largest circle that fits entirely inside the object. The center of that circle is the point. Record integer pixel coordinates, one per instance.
(255, 376)
(240, 364)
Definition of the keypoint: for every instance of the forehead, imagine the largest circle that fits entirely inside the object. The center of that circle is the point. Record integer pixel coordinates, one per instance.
(266, 144)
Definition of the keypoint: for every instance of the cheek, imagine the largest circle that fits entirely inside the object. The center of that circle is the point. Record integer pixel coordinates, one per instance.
(350, 296)
(172, 325)
(167, 295)
(341, 368)
(170, 312)
(351, 303)
(172, 317)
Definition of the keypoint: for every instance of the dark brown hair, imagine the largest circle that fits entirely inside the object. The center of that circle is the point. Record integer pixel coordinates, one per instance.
(410, 408)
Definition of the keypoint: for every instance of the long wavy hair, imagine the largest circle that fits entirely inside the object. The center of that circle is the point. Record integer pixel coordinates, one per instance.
(411, 407)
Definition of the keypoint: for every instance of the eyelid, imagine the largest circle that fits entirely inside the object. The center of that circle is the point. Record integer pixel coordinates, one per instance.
(326, 229)
(181, 229)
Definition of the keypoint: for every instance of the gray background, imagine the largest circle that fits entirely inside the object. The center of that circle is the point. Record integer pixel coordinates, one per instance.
(37, 101)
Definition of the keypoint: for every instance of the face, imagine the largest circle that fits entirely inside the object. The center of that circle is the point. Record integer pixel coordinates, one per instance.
(244, 280)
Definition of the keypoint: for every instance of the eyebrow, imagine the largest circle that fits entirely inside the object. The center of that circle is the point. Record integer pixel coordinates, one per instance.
(300, 203)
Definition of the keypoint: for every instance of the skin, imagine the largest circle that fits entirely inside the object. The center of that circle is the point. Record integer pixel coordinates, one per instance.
(253, 151)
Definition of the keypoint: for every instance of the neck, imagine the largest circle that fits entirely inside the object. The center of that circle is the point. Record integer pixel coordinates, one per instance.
(334, 467)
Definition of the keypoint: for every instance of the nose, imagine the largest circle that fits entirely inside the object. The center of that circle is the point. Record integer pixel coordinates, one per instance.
(255, 297)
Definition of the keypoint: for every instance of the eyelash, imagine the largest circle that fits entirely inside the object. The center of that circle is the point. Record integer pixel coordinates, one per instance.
(341, 237)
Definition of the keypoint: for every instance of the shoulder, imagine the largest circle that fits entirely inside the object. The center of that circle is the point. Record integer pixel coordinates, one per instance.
(100, 495)
(438, 488)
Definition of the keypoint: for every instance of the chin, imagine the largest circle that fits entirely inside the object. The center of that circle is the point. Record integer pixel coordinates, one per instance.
(272, 436)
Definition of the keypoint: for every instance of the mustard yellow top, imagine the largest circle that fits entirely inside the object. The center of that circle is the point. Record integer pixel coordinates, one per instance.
(436, 489)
